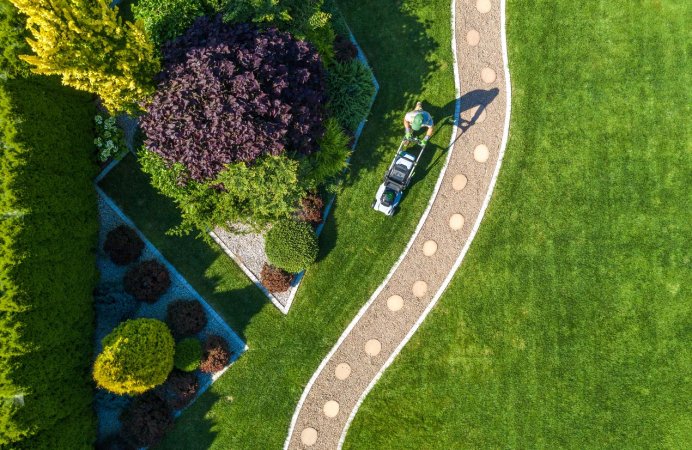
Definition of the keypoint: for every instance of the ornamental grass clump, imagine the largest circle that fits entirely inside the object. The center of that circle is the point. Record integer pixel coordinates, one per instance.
(123, 246)
(233, 93)
(291, 245)
(147, 281)
(188, 354)
(137, 356)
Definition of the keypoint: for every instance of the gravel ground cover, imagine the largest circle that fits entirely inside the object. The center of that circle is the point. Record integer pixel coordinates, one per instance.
(112, 405)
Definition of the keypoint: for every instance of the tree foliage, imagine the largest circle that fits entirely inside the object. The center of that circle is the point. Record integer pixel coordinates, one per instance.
(12, 41)
(166, 20)
(89, 47)
(48, 230)
(232, 94)
(137, 356)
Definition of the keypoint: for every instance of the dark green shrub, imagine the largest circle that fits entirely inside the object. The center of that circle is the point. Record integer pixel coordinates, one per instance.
(344, 50)
(123, 245)
(146, 421)
(180, 388)
(48, 233)
(185, 317)
(216, 354)
(147, 281)
(167, 19)
(321, 166)
(350, 91)
(137, 356)
(12, 41)
(188, 354)
(291, 245)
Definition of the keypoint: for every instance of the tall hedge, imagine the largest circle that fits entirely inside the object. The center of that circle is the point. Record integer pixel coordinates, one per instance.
(48, 233)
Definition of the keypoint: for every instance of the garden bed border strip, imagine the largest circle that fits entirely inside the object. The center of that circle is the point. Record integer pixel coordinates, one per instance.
(299, 277)
(172, 270)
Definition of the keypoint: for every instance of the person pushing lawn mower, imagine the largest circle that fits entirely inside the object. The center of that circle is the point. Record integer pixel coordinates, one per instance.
(400, 171)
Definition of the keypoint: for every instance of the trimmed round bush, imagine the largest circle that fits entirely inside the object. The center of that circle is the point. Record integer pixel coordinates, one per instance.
(180, 388)
(123, 246)
(291, 245)
(188, 354)
(186, 317)
(275, 279)
(216, 354)
(137, 356)
(147, 281)
(146, 421)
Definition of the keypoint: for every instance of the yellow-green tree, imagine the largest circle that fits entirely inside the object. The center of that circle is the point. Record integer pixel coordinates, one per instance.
(88, 45)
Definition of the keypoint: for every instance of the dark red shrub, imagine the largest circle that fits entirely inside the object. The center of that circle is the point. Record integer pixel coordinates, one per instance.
(231, 93)
(180, 388)
(147, 281)
(146, 420)
(186, 317)
(275, 279)
(311, 209)
(344, 49)
(216, 354)
(123, 246)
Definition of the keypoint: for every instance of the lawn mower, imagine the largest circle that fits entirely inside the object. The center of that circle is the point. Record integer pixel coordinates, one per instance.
(397, 177)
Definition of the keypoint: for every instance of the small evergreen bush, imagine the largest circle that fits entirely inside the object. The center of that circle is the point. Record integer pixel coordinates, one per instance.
(146, 421)
(335, 148)
(123, 245)
(166, 20)
(188, 354)
(186, 317)
(147, 281)
(275, 279)
(291, 245)
(136, 356)
(180, 388)
(216, 354)
(350, 91)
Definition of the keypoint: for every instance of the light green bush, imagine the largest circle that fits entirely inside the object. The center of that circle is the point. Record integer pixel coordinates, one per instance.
(188, 354)
(137, 356)
(291, 245)
(167, 19)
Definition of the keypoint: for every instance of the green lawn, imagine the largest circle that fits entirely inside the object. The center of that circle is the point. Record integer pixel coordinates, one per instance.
(568, 325)
(251, 406)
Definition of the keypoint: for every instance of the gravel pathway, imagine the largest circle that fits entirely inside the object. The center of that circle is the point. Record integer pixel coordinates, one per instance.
(397, 308)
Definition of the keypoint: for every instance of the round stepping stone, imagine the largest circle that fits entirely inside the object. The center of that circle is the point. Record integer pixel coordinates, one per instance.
(342, 371)
(488, 75)
(395, 303)
(420, 288)
(456, 222)
(373, 347)
(483, 6)
(473, 37)
(481, 153)
(331, 408)
(308, 436)
(429, 248)
(459, 182)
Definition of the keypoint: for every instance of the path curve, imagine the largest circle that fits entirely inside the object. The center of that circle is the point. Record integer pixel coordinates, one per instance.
(398, 307)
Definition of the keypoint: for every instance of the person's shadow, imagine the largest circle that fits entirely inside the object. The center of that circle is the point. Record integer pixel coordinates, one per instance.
(472, 107)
